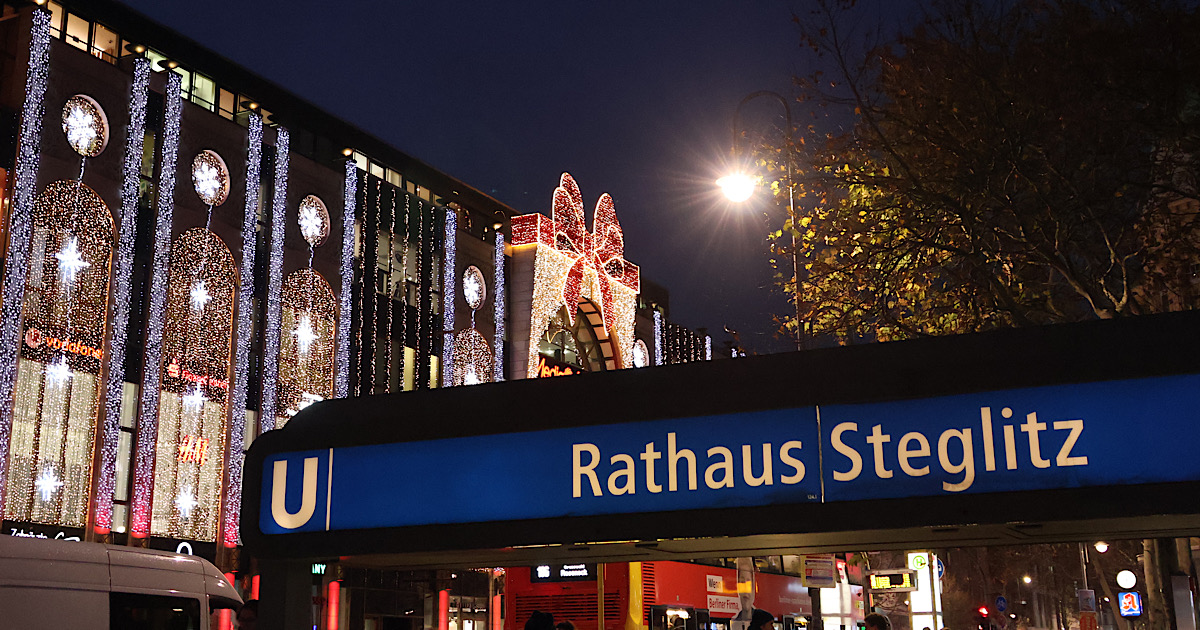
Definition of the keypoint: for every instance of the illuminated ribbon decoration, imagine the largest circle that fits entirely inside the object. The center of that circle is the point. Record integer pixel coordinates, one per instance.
(603, 250)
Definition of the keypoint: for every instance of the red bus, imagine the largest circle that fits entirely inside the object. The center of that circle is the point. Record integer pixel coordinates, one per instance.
(660, 595)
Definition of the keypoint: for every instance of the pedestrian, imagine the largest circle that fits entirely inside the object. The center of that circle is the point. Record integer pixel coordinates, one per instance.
(761, 620)
(876, 621)
(540, 621)
(247, 617)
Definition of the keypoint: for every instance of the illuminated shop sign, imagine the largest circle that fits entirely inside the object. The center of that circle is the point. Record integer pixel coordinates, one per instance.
(562, 573)
(548, 367)
(194, 449)
(44, 532)
(35, 339)
(197, 548)
(893, 580)
(1025, 439)
(174, 370)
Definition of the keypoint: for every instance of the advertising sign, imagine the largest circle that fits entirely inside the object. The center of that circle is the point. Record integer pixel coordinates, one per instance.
(1056, 437)
(1130, 604)
(818, 571)
(577, 572)
(892, 581)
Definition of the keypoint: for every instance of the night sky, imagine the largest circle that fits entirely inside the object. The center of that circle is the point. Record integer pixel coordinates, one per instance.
(632, 98)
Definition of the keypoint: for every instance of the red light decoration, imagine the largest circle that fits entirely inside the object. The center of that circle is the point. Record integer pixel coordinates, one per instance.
(983, 611)
(603, 250)
(334, 598)
(193, 449)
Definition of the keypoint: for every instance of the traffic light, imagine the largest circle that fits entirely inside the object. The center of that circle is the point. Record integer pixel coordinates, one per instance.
(981, 618)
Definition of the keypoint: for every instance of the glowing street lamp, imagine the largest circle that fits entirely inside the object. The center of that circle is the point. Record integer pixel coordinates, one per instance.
(739, 187)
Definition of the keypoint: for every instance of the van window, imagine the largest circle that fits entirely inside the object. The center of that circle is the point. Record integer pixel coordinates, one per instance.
(131, 611)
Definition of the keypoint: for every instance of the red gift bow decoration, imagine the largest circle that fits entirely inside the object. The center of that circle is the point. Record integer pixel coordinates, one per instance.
(602, 250)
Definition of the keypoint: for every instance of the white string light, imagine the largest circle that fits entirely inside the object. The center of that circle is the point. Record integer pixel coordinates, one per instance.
(498, 303)
(270, 374)
(449, 264)
(16, 264)
(122, 273)
(404, 276)
(47, 484)
(156, 314)
(245, 328)
(707, 348)
(343, 344)
(658, 338)
(390, 289)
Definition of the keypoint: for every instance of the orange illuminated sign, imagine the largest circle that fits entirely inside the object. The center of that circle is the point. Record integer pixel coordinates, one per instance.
(193, 449)
(548, 368)
(35, 338)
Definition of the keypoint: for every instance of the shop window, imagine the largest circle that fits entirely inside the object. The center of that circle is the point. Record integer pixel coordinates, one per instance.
(56, 19)
(410, 367)
(105, 44)
(204, 92)
(376, 170)
(306, 347)
(394, 178)
(186, 84)
(227, 104)
(360, 161)
(194, 400)
(157, 59)
(58, 368)
(77, 31)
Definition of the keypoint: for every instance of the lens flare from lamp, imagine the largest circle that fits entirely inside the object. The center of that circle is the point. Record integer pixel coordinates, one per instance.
(737, 187)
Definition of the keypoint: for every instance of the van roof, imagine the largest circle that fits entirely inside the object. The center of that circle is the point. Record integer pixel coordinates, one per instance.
(93, 566)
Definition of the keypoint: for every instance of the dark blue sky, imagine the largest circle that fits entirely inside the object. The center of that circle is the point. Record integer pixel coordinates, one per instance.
(632, 98)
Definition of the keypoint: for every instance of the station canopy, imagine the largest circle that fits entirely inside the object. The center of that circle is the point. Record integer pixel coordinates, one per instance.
(1031, 435)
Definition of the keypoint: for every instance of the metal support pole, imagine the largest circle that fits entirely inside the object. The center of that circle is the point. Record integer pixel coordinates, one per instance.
(791, 209)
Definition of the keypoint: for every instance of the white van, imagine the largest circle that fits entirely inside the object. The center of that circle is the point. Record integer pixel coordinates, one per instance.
(89, 586)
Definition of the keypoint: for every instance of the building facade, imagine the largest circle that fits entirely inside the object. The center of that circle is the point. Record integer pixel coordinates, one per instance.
(192, 255)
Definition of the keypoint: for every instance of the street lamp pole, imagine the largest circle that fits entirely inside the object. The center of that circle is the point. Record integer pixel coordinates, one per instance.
(791, 208)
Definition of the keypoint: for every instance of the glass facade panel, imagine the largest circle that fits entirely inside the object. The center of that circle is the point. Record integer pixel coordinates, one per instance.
(106, 44)
(228, 104)
(204, 92)
(77, 31)
(307, 346)
(193, 406)
(56, 19)
(56, 392)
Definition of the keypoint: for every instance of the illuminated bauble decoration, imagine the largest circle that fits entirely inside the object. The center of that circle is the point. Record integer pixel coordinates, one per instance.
(193, 401)
(472, 361)
(199, 295)
(47, 484)
(641, 355)
(474, 288)
(58, 372)
(210, 178)
(70, 261)
(737, 187)
(304, 334)
(185, 502)
(314, 220)
(85, 125)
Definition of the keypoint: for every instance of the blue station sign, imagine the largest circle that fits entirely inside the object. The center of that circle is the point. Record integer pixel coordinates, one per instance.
(1064, 436)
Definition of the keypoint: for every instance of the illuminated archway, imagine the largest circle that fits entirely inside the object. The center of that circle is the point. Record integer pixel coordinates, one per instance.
(57, 391)
(582, 343)
(306, 347)
(193, 408)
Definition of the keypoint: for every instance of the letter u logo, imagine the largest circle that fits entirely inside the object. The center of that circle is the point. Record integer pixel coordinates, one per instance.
(308, 504)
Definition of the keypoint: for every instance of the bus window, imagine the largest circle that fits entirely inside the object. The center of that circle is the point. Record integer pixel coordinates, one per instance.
(132, 611)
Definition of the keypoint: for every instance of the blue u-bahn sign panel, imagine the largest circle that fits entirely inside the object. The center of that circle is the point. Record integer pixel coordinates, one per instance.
(1069, 436)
